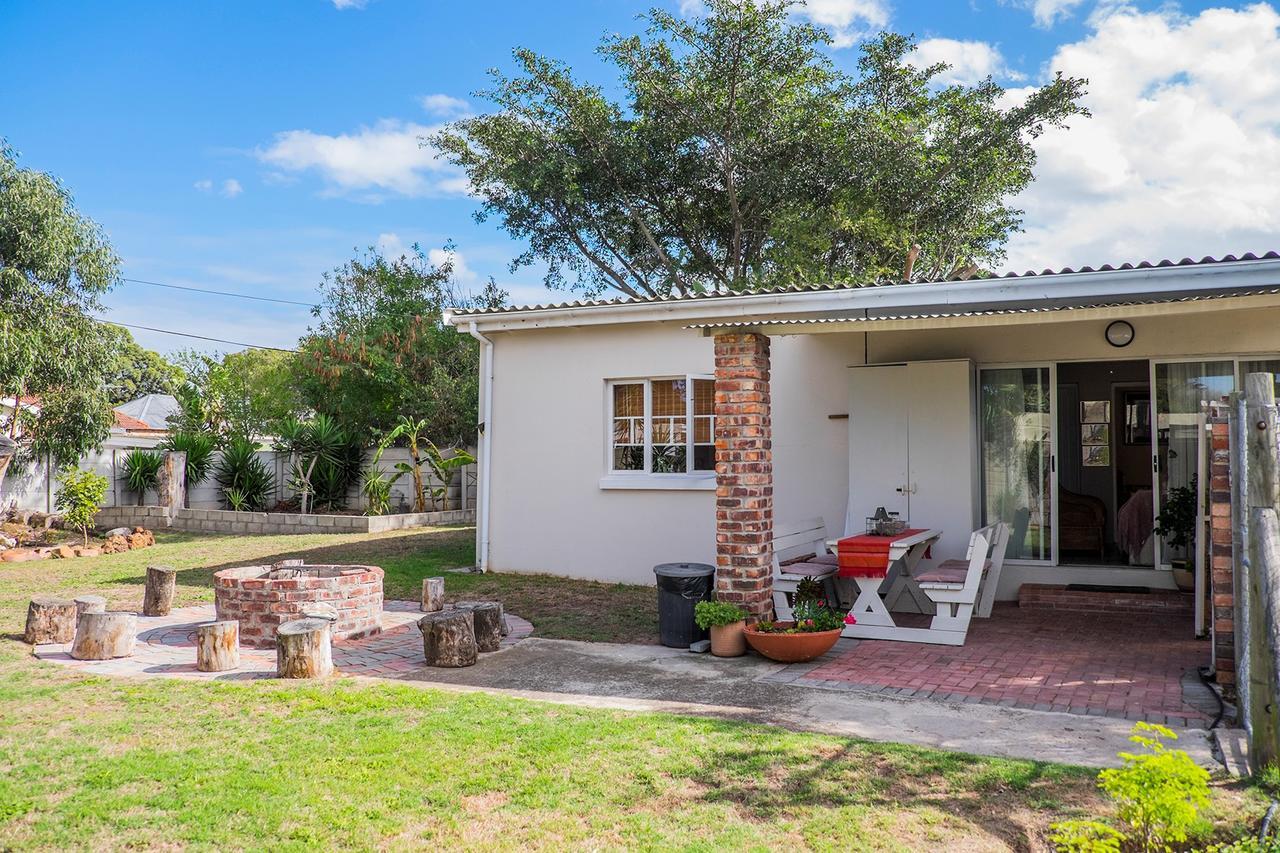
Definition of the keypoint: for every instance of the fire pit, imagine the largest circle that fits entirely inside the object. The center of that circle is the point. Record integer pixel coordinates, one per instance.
(261, 597)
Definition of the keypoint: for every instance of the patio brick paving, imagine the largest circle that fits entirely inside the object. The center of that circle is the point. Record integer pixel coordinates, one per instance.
(1133, 666)
(166, 648)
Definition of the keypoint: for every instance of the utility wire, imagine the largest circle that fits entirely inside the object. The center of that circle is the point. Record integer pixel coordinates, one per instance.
(189, 335)
(219, 292)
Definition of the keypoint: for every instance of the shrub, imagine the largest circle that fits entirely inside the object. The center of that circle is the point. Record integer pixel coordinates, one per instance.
(711, 614)
(245, 480)
(1158, 795)
(809, 589)
(376, 488)
(141, 470)
(199, 448)
(79, 498)
(808, 617)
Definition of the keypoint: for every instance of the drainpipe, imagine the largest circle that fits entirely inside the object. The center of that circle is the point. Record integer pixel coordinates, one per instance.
(486, 445)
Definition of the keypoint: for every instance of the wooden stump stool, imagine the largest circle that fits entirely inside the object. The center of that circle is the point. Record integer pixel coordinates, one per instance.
(158, 598)
(486, 622)
(218, 646)
(448, 638)
(50, 620)
(303, 649)
(432, 595)
(103, 636)
(90, 604)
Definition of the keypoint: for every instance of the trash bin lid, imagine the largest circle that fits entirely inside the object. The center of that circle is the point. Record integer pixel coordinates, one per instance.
(683, 570)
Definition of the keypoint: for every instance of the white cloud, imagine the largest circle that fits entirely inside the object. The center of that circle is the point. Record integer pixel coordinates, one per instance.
(350, 4)
(1047, 12)
(370, 163)
(849, 21)
(204, 185)
(1180, 156)
(390, 245)
(970, 61)
(445, 106)
(231, 188)
(461, 272)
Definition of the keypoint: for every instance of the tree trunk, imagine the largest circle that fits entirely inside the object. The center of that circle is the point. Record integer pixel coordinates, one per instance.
(218, 646)
(486, 623)
(432, 595)
(419, 503)
(448, 638)
(90, 604)
(50, 620)
(303, 649)
(161, 584)
(103, 636)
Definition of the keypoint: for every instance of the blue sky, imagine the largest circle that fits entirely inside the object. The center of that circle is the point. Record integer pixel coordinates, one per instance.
(250, 147)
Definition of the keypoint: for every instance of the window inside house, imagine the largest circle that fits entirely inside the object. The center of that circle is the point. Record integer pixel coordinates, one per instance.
(664, 426)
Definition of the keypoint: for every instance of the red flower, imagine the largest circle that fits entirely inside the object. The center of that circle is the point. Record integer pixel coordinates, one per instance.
(849, 619)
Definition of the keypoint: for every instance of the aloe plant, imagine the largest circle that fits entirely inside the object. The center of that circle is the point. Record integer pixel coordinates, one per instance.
(141, 471)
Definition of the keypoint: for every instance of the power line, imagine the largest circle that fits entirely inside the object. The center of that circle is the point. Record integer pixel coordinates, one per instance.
(189, 335)
(219, 292)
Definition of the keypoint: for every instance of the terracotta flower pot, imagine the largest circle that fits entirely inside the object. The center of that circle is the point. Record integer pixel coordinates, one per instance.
(727, 641)
(792, 648)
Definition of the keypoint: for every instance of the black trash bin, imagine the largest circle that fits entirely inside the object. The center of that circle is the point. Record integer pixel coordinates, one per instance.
(680, 587)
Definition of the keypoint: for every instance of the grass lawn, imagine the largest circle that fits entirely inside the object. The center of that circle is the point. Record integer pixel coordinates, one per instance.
(96, 763)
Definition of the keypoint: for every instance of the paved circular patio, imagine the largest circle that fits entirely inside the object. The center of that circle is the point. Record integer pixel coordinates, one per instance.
(166, 648)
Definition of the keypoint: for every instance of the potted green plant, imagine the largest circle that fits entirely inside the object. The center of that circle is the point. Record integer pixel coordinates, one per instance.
(811, 633)
(1177, 524)
(726, 622)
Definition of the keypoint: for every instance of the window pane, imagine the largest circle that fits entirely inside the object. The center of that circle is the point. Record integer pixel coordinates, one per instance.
(704, 420)
(669, 435)
(668, 397)
(1016, 451)
(628, 427)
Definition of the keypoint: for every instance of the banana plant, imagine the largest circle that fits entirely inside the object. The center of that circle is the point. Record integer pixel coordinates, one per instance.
(445, 468)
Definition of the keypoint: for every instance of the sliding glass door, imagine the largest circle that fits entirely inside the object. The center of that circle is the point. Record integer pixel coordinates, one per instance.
(1017, 408)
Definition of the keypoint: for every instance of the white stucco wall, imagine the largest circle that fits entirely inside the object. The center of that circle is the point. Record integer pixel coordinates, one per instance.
(549, 513)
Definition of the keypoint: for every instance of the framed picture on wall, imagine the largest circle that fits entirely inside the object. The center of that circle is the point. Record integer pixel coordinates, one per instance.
(1095, 456)
(1095, 434)
(1095, 411)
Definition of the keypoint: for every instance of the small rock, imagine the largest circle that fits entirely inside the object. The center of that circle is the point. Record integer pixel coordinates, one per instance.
(117, 531)
(87, 551)
(141, 538)
(64, 552)
(700, 646)
(18, 555)
(320, 610)
(7, 542)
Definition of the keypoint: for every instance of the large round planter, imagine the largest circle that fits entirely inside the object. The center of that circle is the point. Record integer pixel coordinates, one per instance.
(792, 648)
(727, 641)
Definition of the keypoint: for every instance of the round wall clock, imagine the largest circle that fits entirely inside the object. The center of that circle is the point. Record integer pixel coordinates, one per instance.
(1120, 333)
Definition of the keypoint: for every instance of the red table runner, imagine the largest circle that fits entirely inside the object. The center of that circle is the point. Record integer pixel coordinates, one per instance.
(867, 555)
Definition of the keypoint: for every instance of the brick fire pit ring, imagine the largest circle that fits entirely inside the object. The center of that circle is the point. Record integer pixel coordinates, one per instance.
(262, 597)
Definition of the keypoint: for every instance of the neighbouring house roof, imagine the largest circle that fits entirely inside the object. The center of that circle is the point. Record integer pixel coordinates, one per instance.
(1153, 286)
(152, 409)
(128, 422)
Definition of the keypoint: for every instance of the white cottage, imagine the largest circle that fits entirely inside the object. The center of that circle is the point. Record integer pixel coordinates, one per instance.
(1067, 404)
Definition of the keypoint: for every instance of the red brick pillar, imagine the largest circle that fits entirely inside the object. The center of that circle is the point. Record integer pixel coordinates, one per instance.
(1221, 558)
(744, 473)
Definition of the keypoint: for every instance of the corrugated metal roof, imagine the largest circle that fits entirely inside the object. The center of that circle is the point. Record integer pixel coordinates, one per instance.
(818, 288)
(869, 317)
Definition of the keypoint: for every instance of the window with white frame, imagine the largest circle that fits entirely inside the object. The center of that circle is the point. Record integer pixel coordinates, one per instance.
(663, 426)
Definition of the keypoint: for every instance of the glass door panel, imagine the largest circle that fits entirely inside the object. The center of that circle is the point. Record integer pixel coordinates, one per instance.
(1180, 387)
(1262, 365)
(1016, 414)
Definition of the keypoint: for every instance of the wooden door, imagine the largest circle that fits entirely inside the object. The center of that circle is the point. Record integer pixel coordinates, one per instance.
(878, 443)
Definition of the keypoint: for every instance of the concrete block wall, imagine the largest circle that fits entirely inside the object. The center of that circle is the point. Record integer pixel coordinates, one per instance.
(249, 523)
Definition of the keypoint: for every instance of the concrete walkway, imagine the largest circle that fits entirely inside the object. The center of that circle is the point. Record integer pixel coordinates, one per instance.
(652, 678)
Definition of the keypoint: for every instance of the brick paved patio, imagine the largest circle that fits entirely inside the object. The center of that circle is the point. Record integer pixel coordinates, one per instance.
(166, 648)
(1140, 667)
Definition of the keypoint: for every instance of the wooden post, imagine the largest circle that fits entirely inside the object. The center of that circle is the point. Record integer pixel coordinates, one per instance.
(303, 649)
(448, 638)
(50, 620)
(432, 595)
(218, 646)
(486, 622)
(161, 583)
(90, 604)
(103, 636)
(1264, 570)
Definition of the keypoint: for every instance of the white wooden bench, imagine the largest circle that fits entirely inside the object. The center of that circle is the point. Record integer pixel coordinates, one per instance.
(800, 552)
(959, 587)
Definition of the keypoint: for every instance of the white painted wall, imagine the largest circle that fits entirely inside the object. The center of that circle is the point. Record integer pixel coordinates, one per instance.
(550, 514)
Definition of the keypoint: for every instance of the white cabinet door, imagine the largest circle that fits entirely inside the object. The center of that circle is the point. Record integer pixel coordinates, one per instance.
(913, 449)
(878, 424)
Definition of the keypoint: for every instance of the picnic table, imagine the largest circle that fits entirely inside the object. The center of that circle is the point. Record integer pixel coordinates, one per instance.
(875, 562)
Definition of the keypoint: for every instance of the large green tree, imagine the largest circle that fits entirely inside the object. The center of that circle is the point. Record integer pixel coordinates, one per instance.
(742, 158)
(240, 395)
(379, 351)
(55, 264)
(135, 371)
